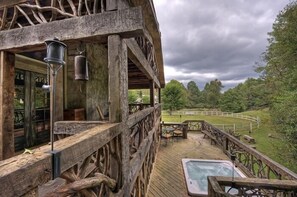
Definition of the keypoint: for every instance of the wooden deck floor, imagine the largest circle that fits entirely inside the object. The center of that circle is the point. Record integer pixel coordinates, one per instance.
(167, 178)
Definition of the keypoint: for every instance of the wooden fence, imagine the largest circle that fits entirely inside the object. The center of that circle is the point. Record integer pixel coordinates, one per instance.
(216, 113)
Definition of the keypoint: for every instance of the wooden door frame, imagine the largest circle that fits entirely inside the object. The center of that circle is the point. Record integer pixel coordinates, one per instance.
(29, 66)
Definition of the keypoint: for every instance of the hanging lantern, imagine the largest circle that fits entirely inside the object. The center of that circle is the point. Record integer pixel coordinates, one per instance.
(81, 68)
(55, 52)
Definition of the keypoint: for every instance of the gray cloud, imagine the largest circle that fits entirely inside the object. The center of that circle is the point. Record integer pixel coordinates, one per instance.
(204, 40)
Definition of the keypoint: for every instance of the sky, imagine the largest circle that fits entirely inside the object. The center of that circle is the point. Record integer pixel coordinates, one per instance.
(204, 40)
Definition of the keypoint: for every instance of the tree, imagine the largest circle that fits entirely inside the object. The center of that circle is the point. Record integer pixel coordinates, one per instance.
(281, 55)
(174, 97)
(146, 99)
(212, 93)
(193, 94)
(254, 93)
(280, 72)
(232, 101)
(132, 96)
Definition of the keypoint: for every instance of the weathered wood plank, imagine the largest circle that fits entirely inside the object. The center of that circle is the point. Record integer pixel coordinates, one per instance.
(31, 170)
(118, 97)
(215, 184)
(259, 183)
(6, 104)
(138, 58)
(118, 79)
(138, 116)
(9, 3)
(114, 64)
(127, 23)
(75, 127)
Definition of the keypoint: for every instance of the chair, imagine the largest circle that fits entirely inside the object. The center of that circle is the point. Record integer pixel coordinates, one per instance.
(178, 132)
(167, 135)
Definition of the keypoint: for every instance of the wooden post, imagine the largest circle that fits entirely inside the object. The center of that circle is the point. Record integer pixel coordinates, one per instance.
(6, 104)
(152, 93)
(159, 95)
(118, 79)
(118, 99)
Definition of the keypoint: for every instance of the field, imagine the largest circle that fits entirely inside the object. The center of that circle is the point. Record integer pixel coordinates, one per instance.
(268, 140)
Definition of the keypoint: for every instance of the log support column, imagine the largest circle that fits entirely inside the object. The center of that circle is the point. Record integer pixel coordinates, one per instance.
(118, 99)
(6, 104)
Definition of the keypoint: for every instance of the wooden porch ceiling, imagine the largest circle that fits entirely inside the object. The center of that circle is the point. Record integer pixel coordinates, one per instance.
(136, 78)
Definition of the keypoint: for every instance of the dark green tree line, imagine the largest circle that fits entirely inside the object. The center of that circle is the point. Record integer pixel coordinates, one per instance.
(280, 72)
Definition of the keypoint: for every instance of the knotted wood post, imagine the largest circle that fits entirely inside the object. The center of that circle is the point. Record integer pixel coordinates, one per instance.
(6, 104)
(118, 99)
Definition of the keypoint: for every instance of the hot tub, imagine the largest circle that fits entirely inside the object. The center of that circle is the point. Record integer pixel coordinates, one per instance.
(197, 170)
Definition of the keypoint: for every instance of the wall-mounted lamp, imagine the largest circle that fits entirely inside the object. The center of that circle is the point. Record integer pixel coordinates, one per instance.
(55, 60)
(81, 66)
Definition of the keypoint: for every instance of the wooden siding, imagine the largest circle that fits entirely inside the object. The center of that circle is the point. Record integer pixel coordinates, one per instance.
(167, 178)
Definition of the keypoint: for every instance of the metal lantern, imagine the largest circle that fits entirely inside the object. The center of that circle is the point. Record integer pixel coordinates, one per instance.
(55, 61)
(55, 52)
(81, 68)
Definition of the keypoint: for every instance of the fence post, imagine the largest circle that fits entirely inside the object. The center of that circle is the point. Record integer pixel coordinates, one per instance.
(234, 127)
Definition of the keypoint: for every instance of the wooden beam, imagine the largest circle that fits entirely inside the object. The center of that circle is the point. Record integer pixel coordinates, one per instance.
(118, 97)
(24, 172)
(137, 57)
(9, 3)
(118, 79)
(127, 23)
(6, 104)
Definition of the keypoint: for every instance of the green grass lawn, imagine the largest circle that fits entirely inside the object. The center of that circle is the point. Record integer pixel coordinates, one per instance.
(274, 147)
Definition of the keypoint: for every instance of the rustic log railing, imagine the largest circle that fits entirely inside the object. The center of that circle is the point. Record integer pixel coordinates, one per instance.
(220, 187)
(149, 52)
(20, 13)
(90, 160)
(252, 162)
(144, 137)
(92, 153)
